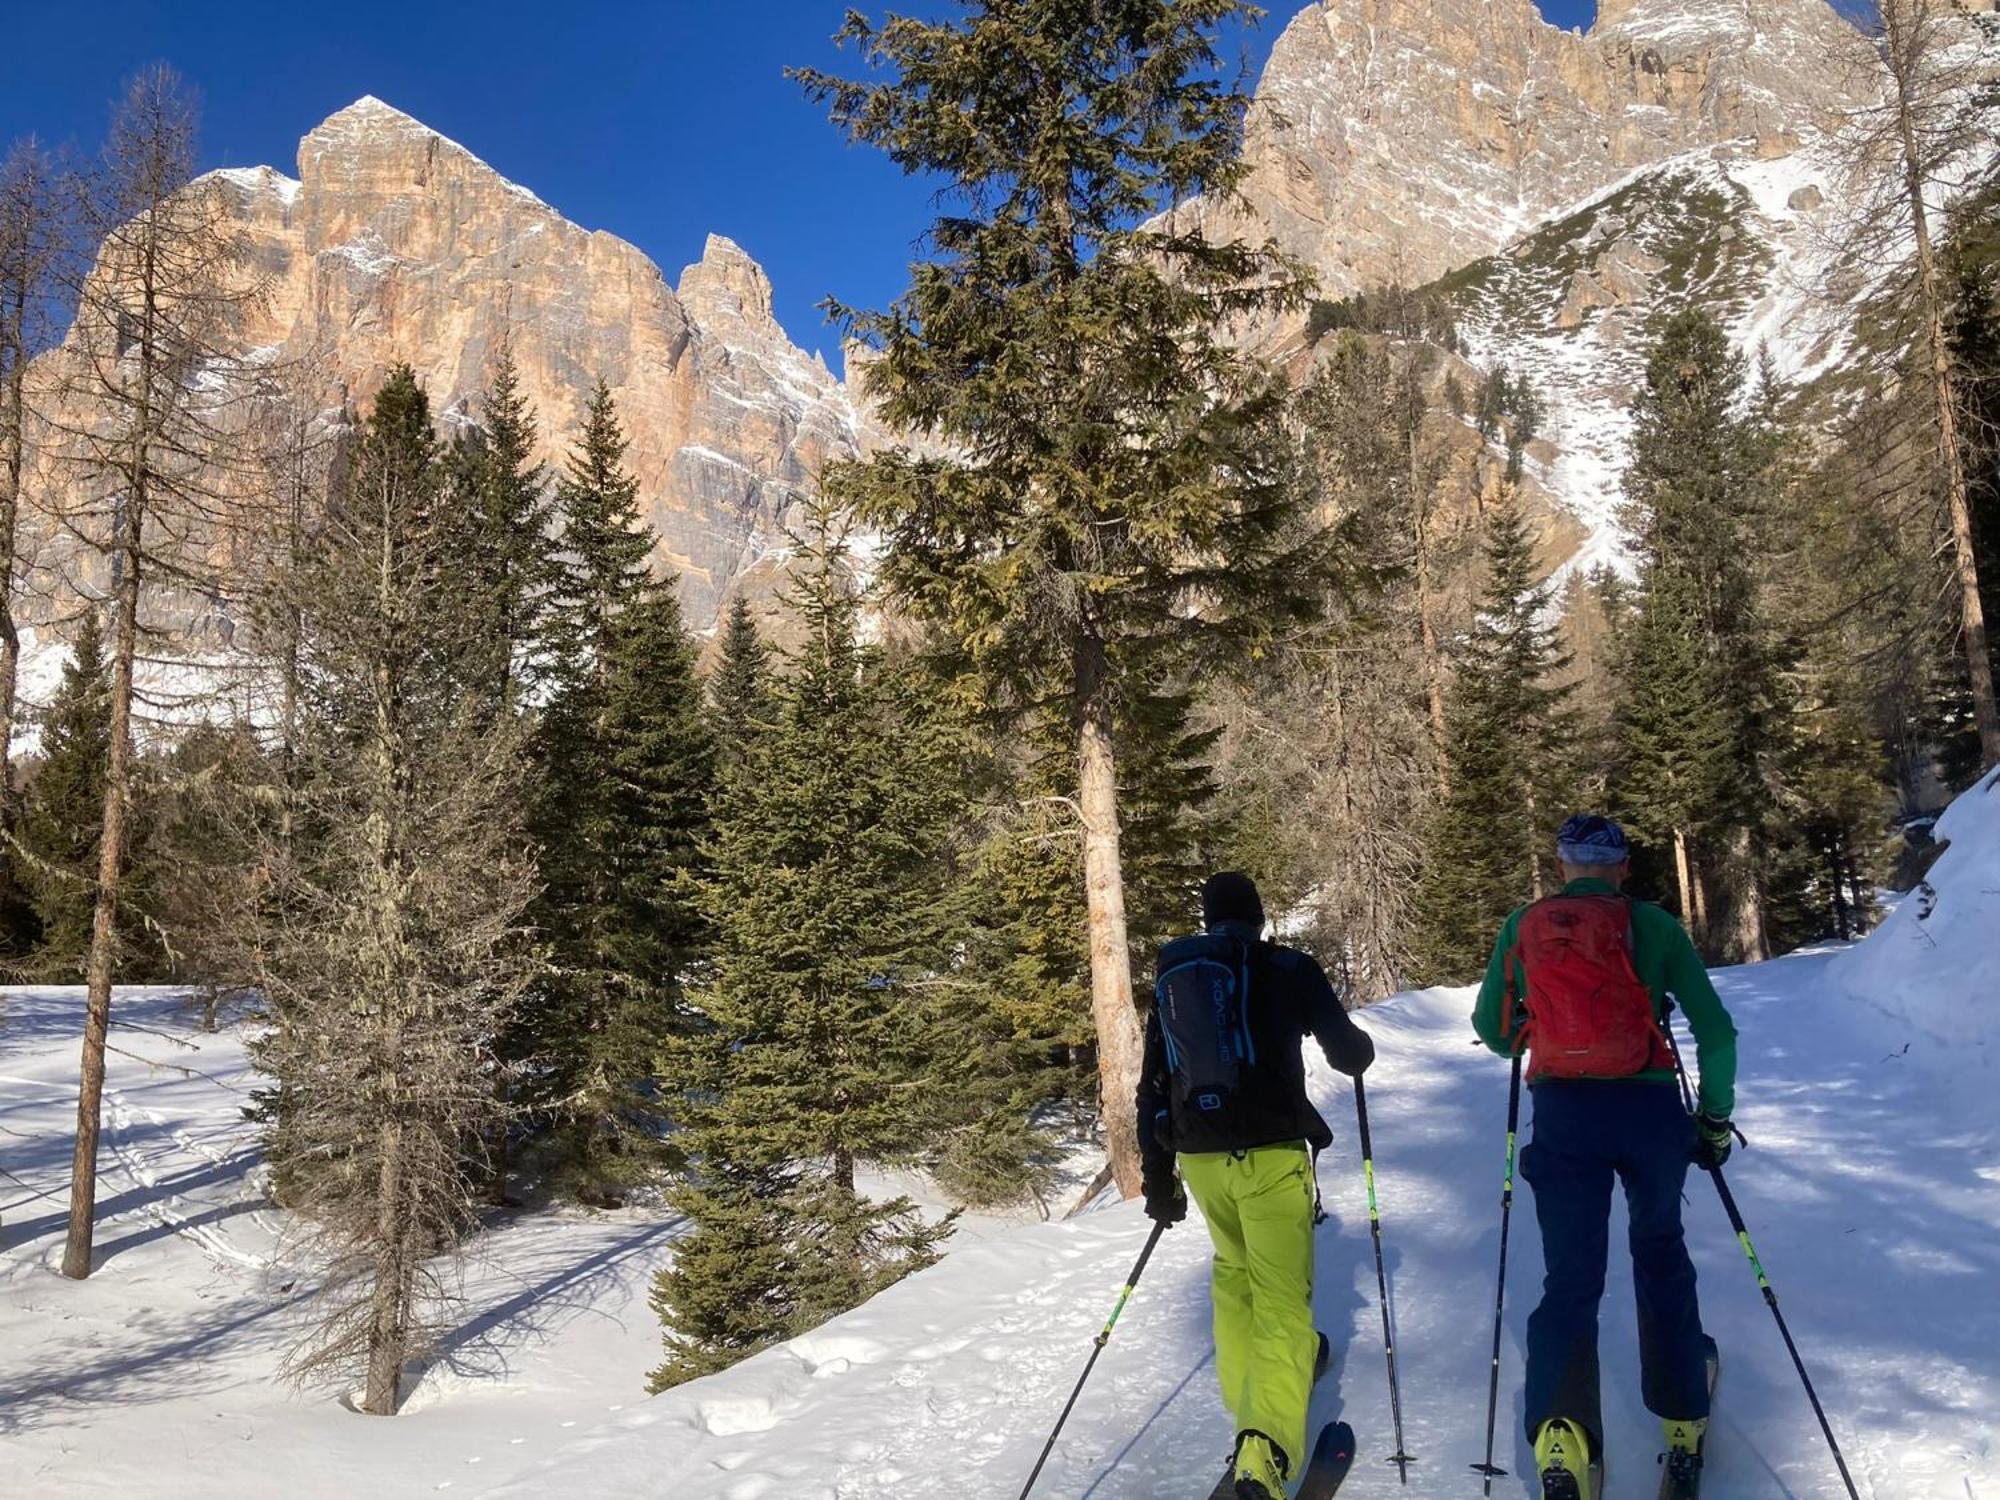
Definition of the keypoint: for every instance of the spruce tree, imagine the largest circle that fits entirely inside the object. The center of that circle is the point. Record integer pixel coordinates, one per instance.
(1702, 671)
(1509, 737)
(835, 1034)
(625, 772)
(739, 687)
(63, 810)
(506, 534)
(605, 545)
(1098, 454)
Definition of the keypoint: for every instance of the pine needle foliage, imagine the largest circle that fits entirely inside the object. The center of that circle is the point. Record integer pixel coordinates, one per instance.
(837, 1028)
(63, 811)
(739, 689)
(1101, 504)
(509, 555)
(625, 771)
(1509, 738)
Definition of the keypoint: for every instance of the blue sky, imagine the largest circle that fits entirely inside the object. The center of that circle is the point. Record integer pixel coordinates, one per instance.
(659, 120)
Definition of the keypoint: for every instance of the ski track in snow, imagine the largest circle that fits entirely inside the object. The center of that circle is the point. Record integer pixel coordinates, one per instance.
(1871, 1199)
(1872, 1189)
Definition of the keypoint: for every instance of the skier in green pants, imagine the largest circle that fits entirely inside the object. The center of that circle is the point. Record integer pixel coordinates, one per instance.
(1223, 1086)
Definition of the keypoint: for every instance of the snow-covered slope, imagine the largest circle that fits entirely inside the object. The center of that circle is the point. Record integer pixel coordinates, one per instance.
(1743, 237)
(1872, 1187)
(1949, 926)
(1873, 1204)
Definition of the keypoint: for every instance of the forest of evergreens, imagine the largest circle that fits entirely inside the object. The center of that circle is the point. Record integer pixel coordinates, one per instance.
(536, 895)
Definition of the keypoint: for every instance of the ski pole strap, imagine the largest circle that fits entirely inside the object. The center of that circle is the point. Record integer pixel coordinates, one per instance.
(1319, 1203)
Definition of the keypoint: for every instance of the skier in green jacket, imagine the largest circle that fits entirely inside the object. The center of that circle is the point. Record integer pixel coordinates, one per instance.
(1583, 980)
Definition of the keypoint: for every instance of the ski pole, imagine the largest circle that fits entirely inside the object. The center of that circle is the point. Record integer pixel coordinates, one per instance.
(1097, 1348)
(1763, 1282)
(1500, 1296)
(1399, 1458)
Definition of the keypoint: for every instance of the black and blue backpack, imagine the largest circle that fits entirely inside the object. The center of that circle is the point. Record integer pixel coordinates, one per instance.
(1202, 998)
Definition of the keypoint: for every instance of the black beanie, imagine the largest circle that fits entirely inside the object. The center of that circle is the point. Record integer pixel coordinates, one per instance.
(1231, 896)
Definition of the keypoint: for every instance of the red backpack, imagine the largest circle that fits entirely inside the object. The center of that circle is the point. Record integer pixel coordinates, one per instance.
(1589, 1013)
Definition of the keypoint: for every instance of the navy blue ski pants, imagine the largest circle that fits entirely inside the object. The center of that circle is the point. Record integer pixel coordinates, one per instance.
(1586, 1132)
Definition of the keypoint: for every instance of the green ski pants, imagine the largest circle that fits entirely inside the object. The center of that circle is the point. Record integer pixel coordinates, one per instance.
(1259, 1208)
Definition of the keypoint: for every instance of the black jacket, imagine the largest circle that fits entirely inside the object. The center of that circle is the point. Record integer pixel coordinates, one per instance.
(1290, 998)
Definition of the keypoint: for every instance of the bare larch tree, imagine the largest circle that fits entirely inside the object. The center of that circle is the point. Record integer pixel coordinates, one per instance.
(142, 427)
(33, 238)
(391, 942)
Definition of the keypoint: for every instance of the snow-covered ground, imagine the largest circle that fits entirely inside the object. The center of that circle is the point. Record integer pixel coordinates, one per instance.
(1873, 1190)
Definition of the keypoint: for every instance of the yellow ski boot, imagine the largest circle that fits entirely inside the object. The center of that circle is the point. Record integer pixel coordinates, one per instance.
(1261, 1468)
(1562, 1458)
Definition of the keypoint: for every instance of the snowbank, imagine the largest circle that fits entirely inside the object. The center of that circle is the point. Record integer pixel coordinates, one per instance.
(1934, 965)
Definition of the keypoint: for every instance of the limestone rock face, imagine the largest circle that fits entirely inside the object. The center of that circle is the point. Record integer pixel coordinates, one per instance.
(397, 244)
(1396, 140)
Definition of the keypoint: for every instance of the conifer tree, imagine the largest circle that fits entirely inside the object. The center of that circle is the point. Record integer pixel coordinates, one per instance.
(62, 817)
(155, 383)
(1700, 675)
(1508, 740)
(605, 546)
(507, 535)
(389, 951)
(626, 768)
(739, 687)
(1099, 455)
(835, 1031)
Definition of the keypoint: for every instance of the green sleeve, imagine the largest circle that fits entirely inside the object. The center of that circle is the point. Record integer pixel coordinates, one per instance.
(1488, 1017)
(1714, 1033)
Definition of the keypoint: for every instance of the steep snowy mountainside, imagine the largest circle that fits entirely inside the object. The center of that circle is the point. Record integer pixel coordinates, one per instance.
(1567, 305)
(1396, 140)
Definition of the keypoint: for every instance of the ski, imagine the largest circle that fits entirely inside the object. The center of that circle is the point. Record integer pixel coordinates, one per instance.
(1680, 1479)
(1333, 1456)
(1225, 1487)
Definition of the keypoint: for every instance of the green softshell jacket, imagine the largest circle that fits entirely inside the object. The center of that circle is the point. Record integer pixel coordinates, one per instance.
(1668, 965)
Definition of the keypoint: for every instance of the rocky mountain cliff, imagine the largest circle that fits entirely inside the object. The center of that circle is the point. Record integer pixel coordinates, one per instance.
(1397, 140)
(394, 243)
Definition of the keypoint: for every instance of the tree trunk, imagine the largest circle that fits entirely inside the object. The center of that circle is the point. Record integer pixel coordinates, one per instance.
(1535, 882)
(1427, 617)
(1837, 873)
(102, 966)
(388, 1324)
(1681, 877)
(1700, 909)
(1748, 942)
(1944, 401)
(13, 444)
(1120, 1041)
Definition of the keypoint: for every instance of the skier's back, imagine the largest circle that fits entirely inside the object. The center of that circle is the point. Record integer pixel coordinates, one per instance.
(1581, 980)
(1223, 1086)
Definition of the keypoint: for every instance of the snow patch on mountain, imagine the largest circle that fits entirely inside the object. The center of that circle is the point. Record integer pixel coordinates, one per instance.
(1744, 237)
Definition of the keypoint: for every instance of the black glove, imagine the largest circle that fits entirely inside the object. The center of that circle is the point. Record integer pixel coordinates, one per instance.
(1166, 1203)
(1713, 1140)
